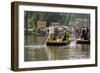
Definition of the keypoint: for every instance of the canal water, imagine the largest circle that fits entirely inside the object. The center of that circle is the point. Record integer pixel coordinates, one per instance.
(35, 50)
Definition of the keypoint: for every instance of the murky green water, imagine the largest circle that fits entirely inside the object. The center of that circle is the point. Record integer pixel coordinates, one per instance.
(32, 52)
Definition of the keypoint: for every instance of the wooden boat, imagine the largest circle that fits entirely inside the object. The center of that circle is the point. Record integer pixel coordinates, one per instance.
(58, 37)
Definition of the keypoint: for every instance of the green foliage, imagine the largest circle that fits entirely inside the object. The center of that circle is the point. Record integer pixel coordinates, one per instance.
(32, 17)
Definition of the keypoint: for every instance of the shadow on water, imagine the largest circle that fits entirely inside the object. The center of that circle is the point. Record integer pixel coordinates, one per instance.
(43, 53)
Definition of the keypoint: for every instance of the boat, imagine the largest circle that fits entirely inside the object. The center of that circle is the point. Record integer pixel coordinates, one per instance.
(83, 35)
(59, 37)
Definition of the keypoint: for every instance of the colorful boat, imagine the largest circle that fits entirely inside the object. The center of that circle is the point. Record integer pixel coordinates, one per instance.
(59, 37)
(83, 35)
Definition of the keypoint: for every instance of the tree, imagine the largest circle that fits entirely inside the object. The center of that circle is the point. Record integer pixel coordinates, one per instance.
(53, 17)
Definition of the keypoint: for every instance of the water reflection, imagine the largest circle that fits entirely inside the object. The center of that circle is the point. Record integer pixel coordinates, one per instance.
(43, 53)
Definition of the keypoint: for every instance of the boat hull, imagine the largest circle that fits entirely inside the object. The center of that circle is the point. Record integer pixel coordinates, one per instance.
(56, 43)
(83, 41)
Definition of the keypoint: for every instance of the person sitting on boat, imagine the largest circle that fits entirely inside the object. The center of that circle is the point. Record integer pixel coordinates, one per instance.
(84, 34)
